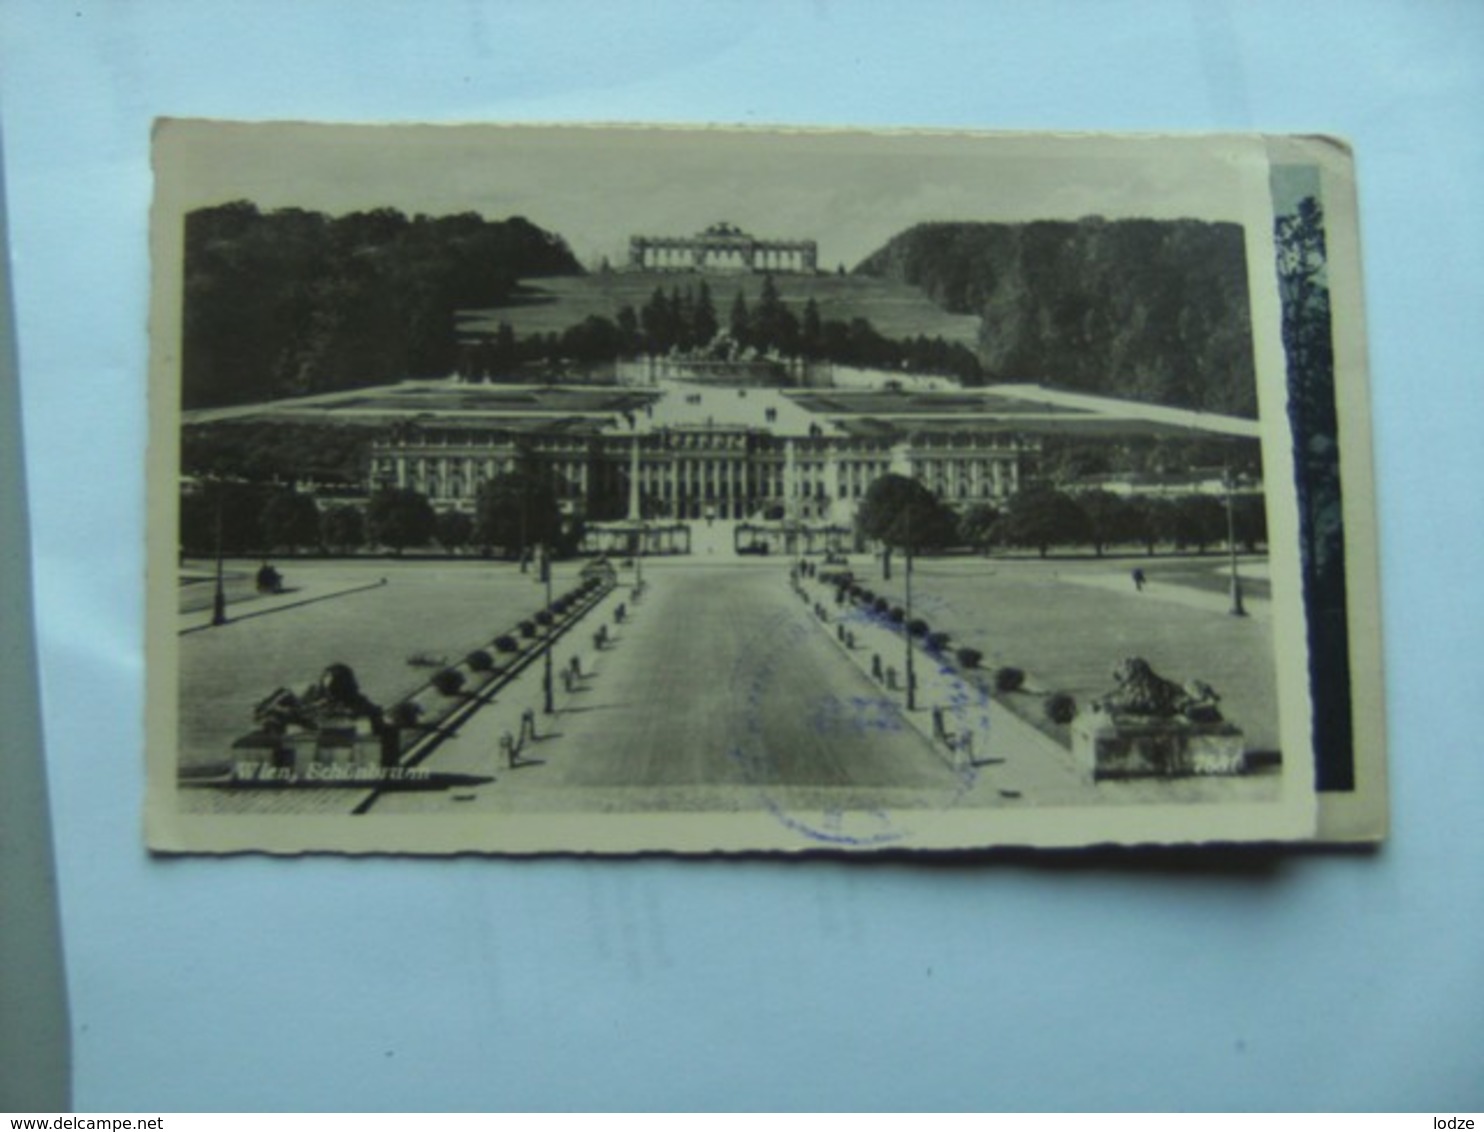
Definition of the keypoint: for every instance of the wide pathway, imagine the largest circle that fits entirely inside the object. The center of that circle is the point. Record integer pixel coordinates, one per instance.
(720, 692)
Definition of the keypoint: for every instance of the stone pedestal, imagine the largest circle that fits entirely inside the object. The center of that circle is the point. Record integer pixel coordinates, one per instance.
(1129, 746)
(341, 746)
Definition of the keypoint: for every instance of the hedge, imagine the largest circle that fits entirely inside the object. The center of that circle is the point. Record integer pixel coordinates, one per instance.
(479, 661)
(968, 657)
(507, 643)
(1008, 679)
(449, 682)
(406, 714)
(938, 641)
(1061, 707)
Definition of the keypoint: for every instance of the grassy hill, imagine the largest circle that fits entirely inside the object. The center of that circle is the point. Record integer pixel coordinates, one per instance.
(895, 309)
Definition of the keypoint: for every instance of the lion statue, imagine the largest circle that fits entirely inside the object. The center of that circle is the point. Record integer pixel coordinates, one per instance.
(1142, 691)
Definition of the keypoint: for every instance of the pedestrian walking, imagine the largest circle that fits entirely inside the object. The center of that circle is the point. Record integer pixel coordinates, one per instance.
(1139, 579)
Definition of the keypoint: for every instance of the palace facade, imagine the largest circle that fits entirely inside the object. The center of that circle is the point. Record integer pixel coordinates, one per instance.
(655, 466)
(696, 453)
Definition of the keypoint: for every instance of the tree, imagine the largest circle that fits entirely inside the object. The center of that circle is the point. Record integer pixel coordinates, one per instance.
(811, 330)
(704, 324)
(1250, 521)
(774, 326)
(739, 323)
(291, 520)
(594, 339)
(505, 354)
(897, 508)
(231, 511)
(1043, 517)
(978, 526)
(454, 530)
(657, 321)
(342, 528)
(399, 517)
(1147, 520)
(1198, 521)
(518, 510)
(628, 327)
(1108, 519)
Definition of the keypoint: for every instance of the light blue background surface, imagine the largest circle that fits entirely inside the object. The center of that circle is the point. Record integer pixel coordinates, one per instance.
(1323, 981)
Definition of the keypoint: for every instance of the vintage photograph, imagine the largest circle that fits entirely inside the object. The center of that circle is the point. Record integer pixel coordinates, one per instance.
(617, 489)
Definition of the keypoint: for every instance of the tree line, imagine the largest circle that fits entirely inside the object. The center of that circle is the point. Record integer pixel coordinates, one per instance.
(513, 514)
(519, 510)
(293, 302)
(901, 512)
(687, 321)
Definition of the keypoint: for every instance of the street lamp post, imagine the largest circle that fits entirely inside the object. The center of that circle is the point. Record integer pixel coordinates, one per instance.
(907, 620)
(219, 598)
(1237, 609)
(546, 683)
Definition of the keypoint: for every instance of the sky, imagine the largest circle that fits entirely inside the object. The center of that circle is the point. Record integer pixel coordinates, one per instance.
(596, 186)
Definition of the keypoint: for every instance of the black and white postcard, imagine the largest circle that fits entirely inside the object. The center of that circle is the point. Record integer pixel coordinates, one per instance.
(611, 489)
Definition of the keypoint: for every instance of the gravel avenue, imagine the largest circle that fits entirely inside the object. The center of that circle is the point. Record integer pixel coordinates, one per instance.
(719, 691)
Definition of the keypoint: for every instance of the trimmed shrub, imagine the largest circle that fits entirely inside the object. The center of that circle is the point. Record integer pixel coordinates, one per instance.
(1008, 679)
(1060, 707)
(449, 682)
(405, 714)
(938, 641)
(479, 661)
(897, 614)
(528, 628)
(881, 605)
(544, 617)
(968, 657)
(559, 606)
(507, 643)
(917, 627)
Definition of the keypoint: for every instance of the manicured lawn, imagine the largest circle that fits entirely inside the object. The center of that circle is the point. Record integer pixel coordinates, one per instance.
(1069, 637)
(441, 610)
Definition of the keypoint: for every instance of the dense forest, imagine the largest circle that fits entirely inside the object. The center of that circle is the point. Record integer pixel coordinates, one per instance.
(1151, 310)
(292, 302)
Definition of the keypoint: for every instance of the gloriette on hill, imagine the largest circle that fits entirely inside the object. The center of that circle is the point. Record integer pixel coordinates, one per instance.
(722, 247)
